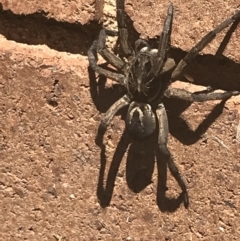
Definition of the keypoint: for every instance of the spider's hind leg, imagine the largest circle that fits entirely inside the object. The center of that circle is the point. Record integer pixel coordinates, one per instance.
(162, 141)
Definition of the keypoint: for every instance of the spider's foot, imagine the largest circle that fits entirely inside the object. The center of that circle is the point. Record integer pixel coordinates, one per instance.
(103, 126)
(185, 199)
(101, 131)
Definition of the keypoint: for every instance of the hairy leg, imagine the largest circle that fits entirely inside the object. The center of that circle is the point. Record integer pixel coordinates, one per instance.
(109, 115)
(165, 37)
(122, 28)
(162, 142)
(164, 43)
(198, 96)
(106, 54)
(202, 43)
(98, 46)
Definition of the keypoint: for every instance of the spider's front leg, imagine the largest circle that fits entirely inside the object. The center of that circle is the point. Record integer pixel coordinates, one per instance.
(106, 54)
(202, 43)
(122, 28)
(162, 142)
(165, 37)
(98, 46)
(161, 63)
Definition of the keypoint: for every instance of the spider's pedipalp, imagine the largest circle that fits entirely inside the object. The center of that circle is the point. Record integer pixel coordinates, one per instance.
(140, 120)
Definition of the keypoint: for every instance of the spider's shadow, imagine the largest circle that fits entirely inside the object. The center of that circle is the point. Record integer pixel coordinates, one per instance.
(139, 170)
(178, 126)
(140, 165)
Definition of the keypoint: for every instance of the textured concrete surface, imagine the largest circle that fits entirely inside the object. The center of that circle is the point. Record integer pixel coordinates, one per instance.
(55, 181)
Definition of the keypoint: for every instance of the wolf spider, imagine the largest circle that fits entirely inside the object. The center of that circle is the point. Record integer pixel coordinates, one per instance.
(146, 75)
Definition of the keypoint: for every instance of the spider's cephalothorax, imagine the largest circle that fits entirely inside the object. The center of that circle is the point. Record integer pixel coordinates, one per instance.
(142, 76)
(142, 89)
(139, 73)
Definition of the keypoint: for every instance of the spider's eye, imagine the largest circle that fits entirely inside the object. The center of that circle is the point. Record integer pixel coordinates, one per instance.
(140, 121)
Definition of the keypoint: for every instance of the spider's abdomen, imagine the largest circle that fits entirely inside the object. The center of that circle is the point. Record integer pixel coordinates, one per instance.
(140, 120)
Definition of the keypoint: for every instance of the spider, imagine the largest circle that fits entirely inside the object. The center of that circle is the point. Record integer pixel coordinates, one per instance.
(146, 74)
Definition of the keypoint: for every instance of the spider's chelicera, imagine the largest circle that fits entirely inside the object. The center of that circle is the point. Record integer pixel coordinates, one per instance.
(146, 75)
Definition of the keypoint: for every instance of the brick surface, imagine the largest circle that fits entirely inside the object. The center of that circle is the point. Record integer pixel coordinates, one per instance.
(61, 10)
(192, 20)
(53, 176)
